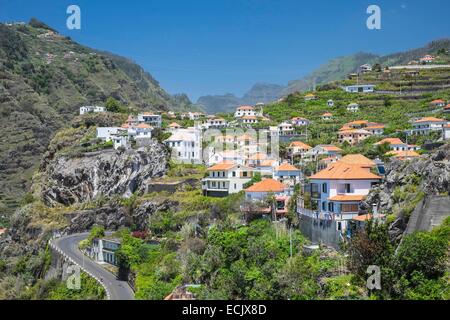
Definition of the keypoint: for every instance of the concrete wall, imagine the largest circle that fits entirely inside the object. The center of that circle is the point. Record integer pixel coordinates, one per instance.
(320, 231)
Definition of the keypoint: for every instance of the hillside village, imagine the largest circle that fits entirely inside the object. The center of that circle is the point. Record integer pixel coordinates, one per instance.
(328, 162)
(243, 193)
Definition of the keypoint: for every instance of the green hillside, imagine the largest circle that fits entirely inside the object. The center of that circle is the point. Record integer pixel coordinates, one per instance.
(403, 97)
(44, 79)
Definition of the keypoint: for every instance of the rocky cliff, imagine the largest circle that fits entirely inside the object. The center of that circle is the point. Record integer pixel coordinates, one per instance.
(407, 183)
(81, 179)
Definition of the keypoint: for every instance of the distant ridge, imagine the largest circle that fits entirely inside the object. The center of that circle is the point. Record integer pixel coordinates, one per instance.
(335, 69)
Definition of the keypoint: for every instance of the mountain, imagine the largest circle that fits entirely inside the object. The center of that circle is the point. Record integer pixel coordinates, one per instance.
(336, 69)
(260, 92)
(44, 79)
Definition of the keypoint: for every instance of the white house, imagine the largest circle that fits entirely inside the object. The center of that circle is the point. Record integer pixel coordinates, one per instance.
(298, 148)
(327, 116)
(337, 191)
(288, 174)
(362, 88)
(243, 111)
(330, 103)
(375, 128)
(439, 103)
(299, 121)
(398, 145)
(226, 178)
(234, 156)
(249, 119)
(365, 68)
(324, 150)
(91, 109)
(428, 124)
(104, 250)
(260, 190)
(427, 59)
(155, 120)
(186, 145)
(215, 123)
(353, 107)
(106, 133)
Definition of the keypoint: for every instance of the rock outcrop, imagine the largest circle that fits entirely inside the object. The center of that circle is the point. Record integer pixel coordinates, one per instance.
(408, 182)
(81, 179)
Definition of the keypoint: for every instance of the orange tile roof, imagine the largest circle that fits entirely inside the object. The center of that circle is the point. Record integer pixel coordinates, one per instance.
(299, 144)
(298, 118)
(390, 141)
(345, 128)
(174, 125)
(447, 126)
(438, 101)
(268, 185)
(357, 159)
(344, 171)
(429, 119)
(327, 114)
(447, 107)
(378, 126)
(246, 108)
(249, 117)
(352, 197)
(287, 167)
(358, 122)
(125, 126)
(225, 165)
(143, 126)
(366, 217)
(331, 148)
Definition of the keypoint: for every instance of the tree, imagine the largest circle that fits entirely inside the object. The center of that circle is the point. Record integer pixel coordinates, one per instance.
(370, 246)
(422, 252)
(112, 105)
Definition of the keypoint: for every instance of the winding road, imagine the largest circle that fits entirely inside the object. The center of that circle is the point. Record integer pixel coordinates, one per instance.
(118, 290)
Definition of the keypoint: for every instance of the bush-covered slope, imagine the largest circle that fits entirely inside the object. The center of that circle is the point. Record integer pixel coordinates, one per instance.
(44, 79)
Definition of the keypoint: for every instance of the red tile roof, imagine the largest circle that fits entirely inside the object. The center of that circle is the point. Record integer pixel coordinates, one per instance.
(344, 171)
(222, 166)
(390, 141)
(287, 167)
(429, 119)
(299, 144)
(268, 185)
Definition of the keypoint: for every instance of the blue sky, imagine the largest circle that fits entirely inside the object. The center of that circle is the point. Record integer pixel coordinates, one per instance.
(217, 46)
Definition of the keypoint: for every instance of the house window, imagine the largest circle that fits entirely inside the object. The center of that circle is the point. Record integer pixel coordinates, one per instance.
(324, 206)
(244, 174)
(324, 188)
(234, 173)
(331, 207)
